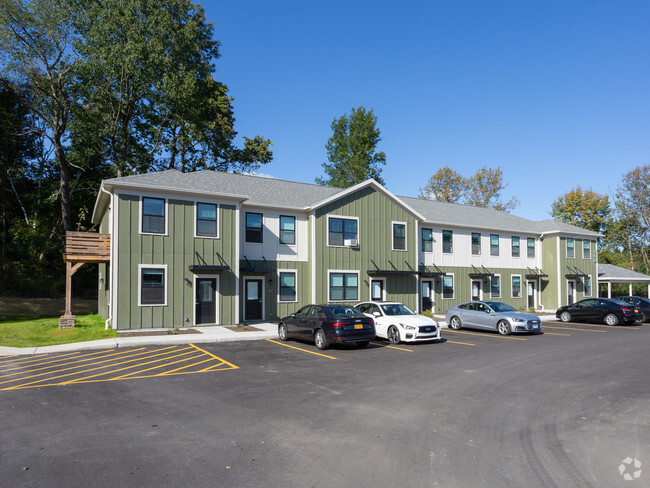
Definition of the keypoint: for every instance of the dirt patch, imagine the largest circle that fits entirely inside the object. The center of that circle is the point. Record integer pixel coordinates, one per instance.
(159, 333)
(243, 328)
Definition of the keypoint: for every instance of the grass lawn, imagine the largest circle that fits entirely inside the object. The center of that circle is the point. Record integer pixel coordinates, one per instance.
(44, 331)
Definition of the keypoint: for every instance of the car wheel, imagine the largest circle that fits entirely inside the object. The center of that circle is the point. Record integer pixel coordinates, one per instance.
(320, 340)
(504, 328)
(611, 319)
(393, 335)
(282, 332)
(565, 317)
(455, 323)
(363, 343)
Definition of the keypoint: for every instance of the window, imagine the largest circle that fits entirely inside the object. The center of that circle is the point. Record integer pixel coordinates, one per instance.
(447, 241)
(153, 215)
(587, 286)
(495, 286)
(287, 230)
(586, 249)
(570, 252)
(476, 244)
(531, 247)
(287, 284)
(399, 237)
(152, 285)
(515, 246)
(253, 227)
(494, 244)
(343, 232)
(427, 240)
(448, 286)
(344, 286)
(206, 219)
(516, 287)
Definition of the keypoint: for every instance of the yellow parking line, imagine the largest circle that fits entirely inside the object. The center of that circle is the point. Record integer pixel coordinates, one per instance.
(300, 349)
(577, 330)
(184, 360)
(463, 343)
(556, 333)
(392, 347)
(33, 359)
(216, 357)
(488, 335)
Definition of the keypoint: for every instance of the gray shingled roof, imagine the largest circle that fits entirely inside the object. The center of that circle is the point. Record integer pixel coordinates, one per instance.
(607, 272)
(265, 191)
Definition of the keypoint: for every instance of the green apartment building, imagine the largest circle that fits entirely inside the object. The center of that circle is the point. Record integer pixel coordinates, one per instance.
(205, 248)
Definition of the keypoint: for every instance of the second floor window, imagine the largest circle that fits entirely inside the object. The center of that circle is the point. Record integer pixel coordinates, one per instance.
(287, 230)
(253, 227)
(476, 244)
(153, 215)
(427, 240)
(570, 251)
(494, 245)
(206, 219)
(448, 241)
(343, 232)
(531, 247)
(515, 246)
(399, 237)
(586, 249)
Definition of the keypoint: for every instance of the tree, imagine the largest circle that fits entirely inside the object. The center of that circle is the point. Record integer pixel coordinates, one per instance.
(583, 208)
(633, 214)
(446, 185)
(351, 151)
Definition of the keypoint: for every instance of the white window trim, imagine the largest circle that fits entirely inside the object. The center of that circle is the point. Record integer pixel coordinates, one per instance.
(511, 247)
(432, 240)
(166, 215)
(583, 248)
(149, 266)
(498, 254)
(392, 235)
(346, 271)
(196, 214)
(591, 288)
(534, 256)
(471, 243)
(512, 288)
(500, 286)
(295, 230)
(566, 245)
(295, 274)
(342, 217)
(217, 294)
(453, 286)
(383, 289)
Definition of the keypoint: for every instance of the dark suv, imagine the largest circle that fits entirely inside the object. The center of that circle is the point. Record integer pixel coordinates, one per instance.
(328, 324)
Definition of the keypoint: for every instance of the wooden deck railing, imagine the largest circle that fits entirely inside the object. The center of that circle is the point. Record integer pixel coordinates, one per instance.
(87, 247)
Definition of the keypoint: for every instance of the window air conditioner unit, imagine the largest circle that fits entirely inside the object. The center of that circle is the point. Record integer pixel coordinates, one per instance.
(350, 242)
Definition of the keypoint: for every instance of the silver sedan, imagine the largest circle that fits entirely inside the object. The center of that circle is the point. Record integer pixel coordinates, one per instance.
(492, 316)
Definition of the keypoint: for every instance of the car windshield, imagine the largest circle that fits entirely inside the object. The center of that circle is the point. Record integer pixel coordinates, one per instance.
(500, 307)
(341, 311)
(397, 309)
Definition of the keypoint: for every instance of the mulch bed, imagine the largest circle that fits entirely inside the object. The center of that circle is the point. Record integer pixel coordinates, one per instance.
(159, 333)
(245, 328)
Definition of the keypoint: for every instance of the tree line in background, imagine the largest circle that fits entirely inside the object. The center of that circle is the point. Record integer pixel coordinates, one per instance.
(93, 90)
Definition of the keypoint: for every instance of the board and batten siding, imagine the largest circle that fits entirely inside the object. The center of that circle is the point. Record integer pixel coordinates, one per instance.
(375, 213)
(177, 250)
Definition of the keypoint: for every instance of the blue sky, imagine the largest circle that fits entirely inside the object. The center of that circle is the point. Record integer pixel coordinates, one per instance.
(556, 93)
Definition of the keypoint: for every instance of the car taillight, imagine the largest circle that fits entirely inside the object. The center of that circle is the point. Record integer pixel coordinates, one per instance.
(338, 324)
(625, 309)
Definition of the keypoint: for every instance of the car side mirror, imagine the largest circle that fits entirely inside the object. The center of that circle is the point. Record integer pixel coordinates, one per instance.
(489, 311)
(293, 314)
(376, 314)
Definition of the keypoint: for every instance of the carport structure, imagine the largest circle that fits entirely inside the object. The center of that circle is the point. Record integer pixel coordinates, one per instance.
(608, 274)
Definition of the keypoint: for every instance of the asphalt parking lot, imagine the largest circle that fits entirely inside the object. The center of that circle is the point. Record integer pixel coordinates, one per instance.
(561, 409)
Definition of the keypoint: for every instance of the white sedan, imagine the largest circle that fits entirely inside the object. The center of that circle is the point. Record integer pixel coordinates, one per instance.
(396, 322)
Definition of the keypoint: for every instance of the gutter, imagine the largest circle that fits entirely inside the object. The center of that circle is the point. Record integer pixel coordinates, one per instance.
(110, 308)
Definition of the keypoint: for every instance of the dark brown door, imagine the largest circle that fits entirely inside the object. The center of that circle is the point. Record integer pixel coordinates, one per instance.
(253, 303)
(427, 302)
(206, 308)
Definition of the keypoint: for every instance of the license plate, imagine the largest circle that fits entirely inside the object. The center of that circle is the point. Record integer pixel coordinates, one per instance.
(358, 326)
(636, 310)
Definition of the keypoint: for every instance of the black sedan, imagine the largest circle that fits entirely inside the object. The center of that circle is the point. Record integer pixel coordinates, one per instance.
(642, 303)
(328, 324)
(606, 310)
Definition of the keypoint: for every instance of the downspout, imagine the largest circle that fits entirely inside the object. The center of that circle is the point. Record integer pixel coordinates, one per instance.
(110, 308)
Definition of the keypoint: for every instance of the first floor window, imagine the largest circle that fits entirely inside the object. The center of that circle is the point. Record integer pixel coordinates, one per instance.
(586, 249)
(516, 287)
(399, 237)
(494, 245)
(531, 247)
(152, 286)
(587, 286)
(153, 215)
(570, 251)
(287, 286)
(253, 227)
(495, 287)
(343, 232)
(206, 219)
(448, 286)
(476, 244)
(344, 286)
(427, 240)
(515, 246)
(287, 230)
(447, 241)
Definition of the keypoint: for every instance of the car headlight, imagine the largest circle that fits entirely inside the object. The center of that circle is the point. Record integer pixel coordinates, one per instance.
(407, 327)
(518, 319)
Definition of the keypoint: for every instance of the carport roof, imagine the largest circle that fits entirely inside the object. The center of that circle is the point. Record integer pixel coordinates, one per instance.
(616, 274)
